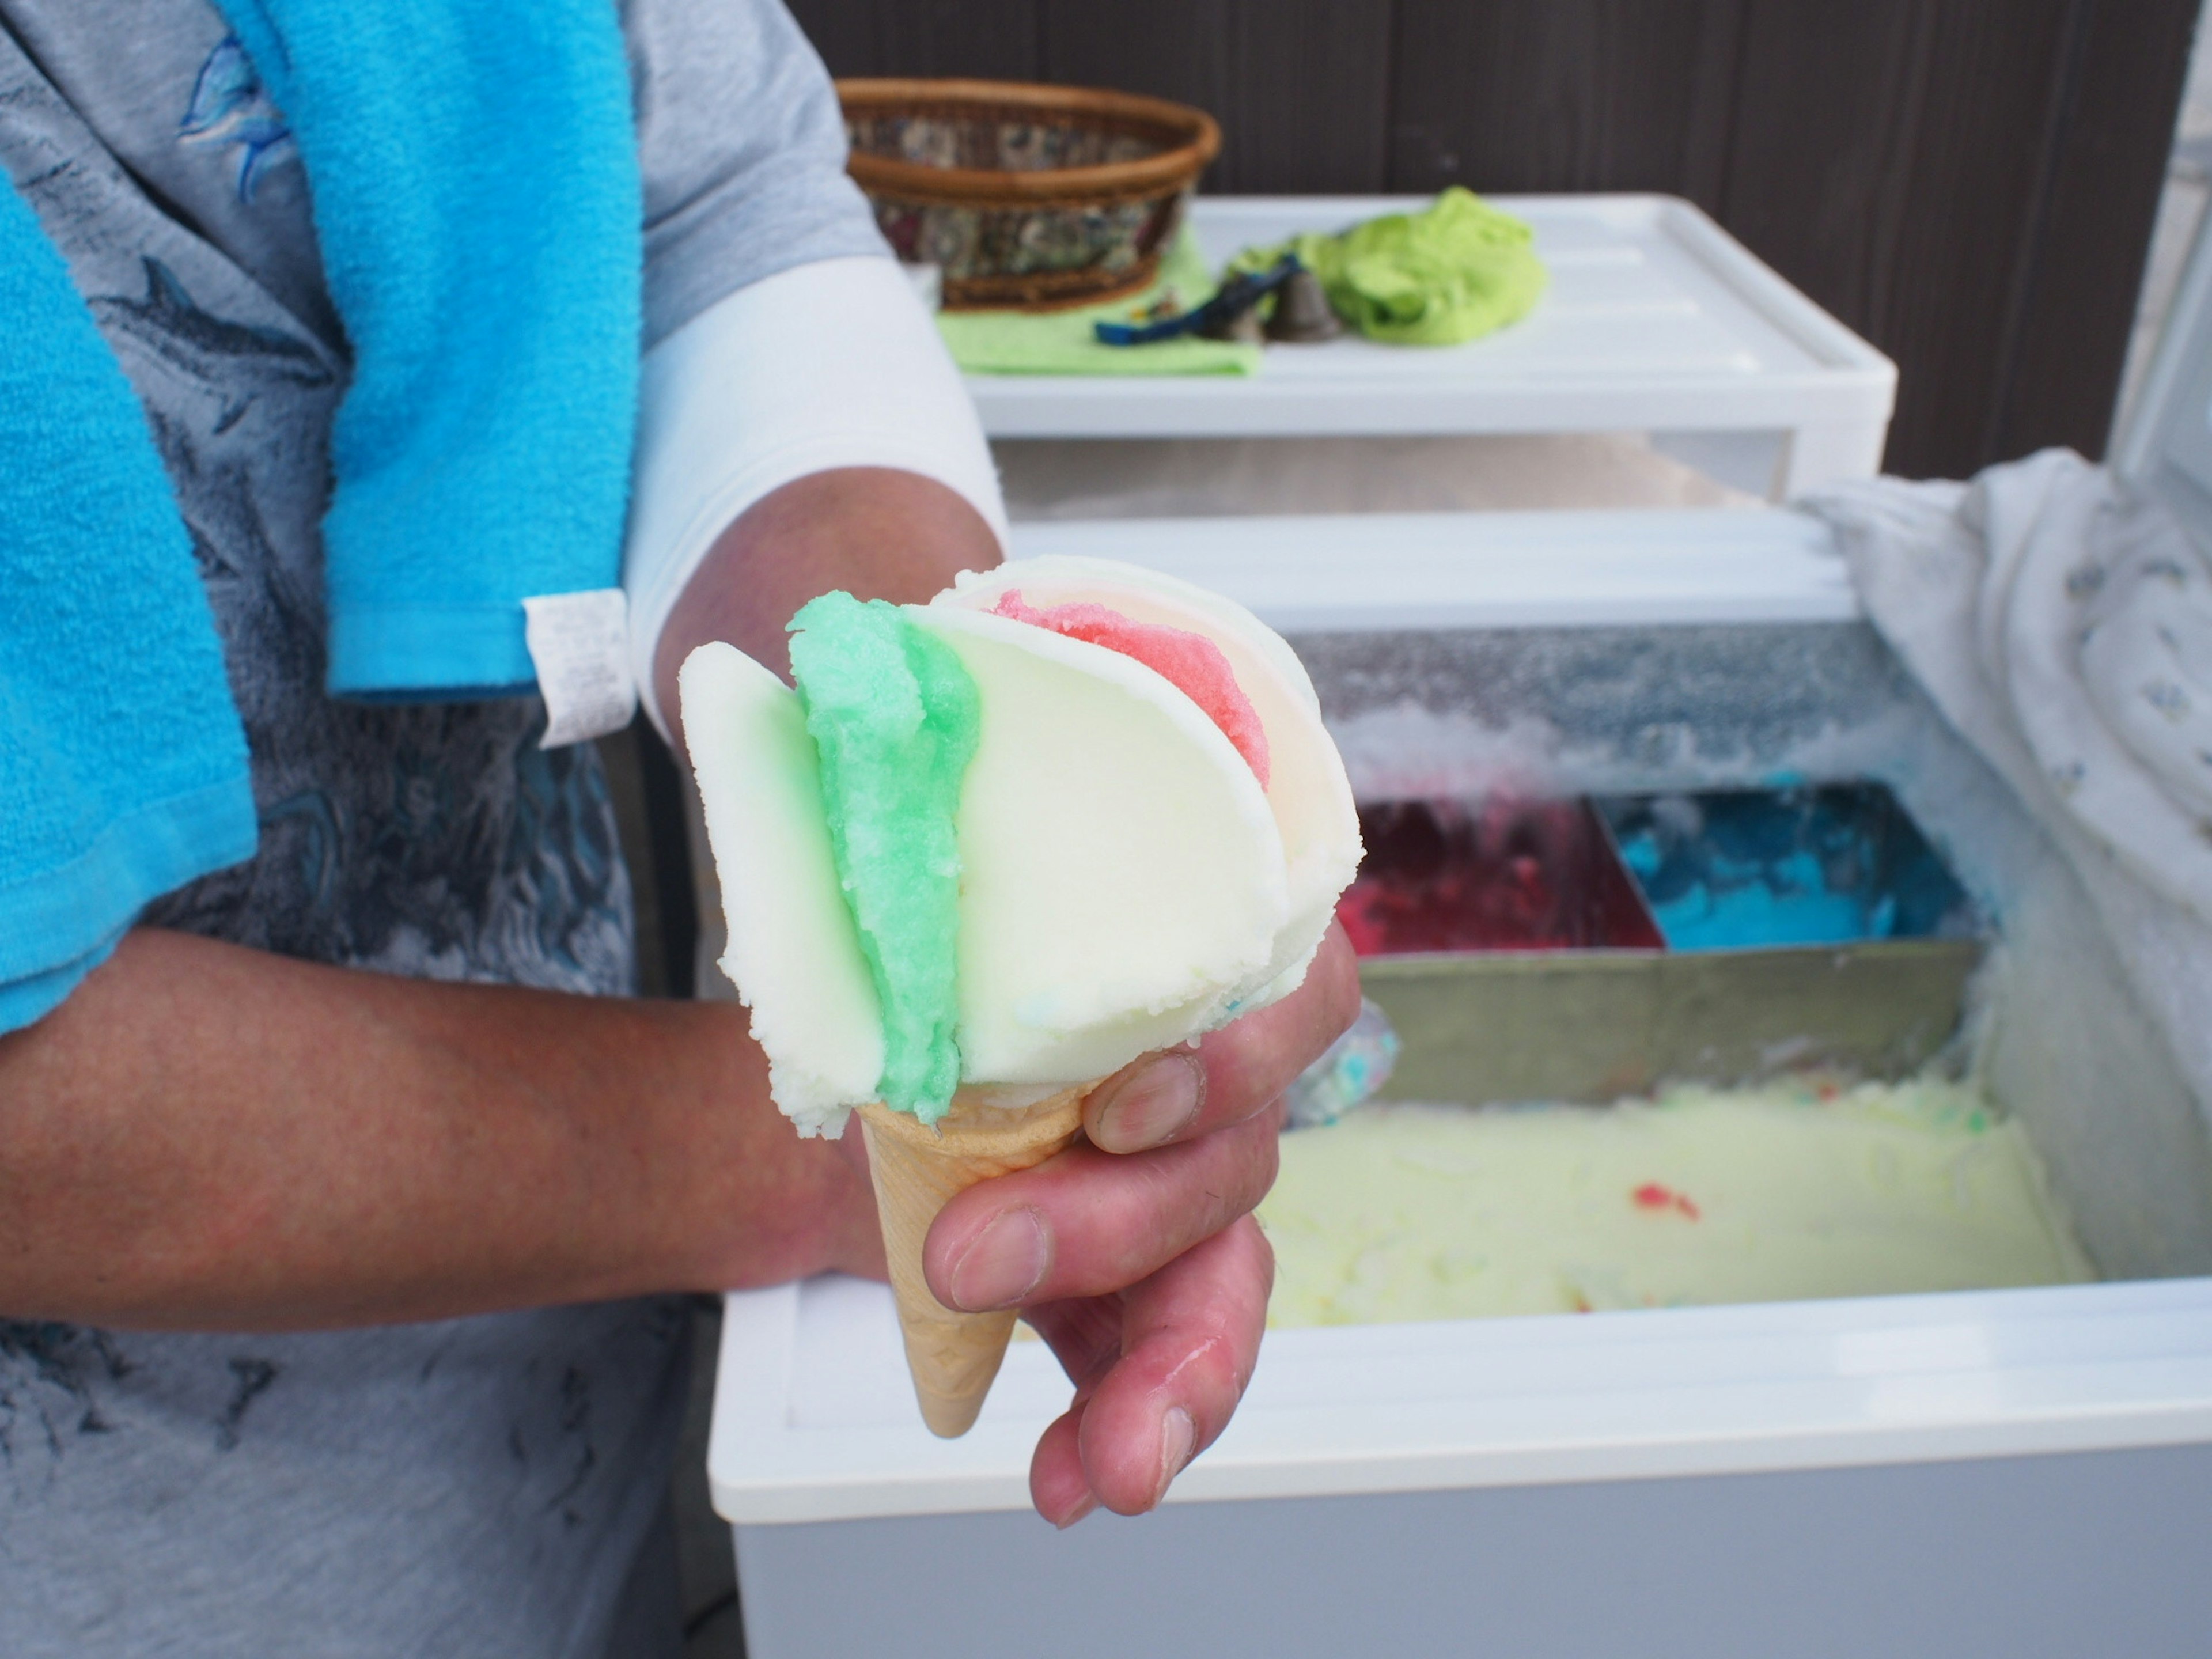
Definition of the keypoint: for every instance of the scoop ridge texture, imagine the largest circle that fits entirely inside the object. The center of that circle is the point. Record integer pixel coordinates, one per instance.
(1191, 662)
(1306, 787)
(894, 717)
(1123, 879)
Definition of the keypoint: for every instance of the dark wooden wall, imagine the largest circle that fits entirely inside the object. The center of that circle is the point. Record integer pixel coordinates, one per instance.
(1970, 184)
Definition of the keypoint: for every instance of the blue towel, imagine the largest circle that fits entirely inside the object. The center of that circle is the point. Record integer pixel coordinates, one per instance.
(122, 764)
(474, 169)
(476, 198)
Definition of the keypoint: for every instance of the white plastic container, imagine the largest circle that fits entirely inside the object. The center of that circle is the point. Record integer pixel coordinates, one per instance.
(2003, 1471)
(2015, 1473)
(1657, 320)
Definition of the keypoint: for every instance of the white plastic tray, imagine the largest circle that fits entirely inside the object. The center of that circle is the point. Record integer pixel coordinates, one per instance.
(1657, 320)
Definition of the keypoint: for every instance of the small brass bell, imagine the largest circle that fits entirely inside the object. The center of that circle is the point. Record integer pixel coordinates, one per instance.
(1302, 316)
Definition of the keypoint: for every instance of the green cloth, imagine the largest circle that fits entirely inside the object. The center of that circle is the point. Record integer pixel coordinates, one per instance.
(894, 717)
(1061, 343)
(1459, 270)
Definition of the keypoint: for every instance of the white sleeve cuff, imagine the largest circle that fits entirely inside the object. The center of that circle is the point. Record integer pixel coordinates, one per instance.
(832, 364)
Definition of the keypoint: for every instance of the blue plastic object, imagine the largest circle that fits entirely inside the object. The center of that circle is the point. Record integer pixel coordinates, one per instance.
(1232, 300)
(1357, 1064)
(1826, 866)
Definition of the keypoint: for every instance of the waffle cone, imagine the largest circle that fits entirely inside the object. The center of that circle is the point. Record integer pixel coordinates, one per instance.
(916, 1170)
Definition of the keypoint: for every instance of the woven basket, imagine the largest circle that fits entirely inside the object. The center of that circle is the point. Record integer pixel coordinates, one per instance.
(1032, 196)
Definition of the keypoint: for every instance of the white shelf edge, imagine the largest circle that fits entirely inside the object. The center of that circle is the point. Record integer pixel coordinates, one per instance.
(762, 1472)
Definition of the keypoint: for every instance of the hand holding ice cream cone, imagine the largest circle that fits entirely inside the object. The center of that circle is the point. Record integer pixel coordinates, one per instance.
(953, 1354)
(992, 851)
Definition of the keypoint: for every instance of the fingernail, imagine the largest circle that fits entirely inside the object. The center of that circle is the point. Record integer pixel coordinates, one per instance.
(1150, 1106)
(1007, 1261)
(1090, 1502)
(1178, 1434)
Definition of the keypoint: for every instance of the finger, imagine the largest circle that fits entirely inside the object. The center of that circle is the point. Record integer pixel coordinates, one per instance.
(1179, 1094)
(1086, 1334)
(1057, 1486)
(1190, 1339)
(1086, 1221)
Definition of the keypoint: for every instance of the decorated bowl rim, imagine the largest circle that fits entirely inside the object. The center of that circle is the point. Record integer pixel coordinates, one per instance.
(1194, 140)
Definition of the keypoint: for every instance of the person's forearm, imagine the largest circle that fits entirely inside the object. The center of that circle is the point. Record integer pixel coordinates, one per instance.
(873, 532)
(206, 1136)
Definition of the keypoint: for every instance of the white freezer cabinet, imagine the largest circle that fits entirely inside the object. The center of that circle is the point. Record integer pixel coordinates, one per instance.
(1657, 320)
(2005, 1472)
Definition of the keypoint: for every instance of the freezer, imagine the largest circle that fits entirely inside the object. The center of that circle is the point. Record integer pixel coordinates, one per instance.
(2017, 1470)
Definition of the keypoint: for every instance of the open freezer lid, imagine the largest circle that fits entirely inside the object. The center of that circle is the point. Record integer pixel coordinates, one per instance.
(1656, 319)
(2165, 450)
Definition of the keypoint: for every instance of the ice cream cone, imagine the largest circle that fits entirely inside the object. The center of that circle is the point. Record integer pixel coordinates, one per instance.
(917, 1169)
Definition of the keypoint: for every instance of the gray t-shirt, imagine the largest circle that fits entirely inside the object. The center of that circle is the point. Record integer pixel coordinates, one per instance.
(476, 1486)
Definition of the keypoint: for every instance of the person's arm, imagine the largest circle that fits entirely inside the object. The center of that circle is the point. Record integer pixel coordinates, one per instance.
(204, 1136)
(210, 1137)
(875, 531)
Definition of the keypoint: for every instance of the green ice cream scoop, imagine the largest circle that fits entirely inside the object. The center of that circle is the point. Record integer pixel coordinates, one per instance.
(1455, 271)
(894, 717)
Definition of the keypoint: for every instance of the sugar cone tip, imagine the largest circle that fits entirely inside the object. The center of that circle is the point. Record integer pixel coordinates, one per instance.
(917, 1169)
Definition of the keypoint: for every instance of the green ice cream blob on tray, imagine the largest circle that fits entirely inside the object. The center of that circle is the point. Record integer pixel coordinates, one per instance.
(894, 717)
(1456, 271)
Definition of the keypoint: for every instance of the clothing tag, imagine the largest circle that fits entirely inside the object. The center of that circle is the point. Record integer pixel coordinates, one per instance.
(581, 644)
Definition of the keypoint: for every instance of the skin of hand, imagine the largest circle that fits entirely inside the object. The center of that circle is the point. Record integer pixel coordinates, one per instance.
(205, 1137)
(1133, 1253)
